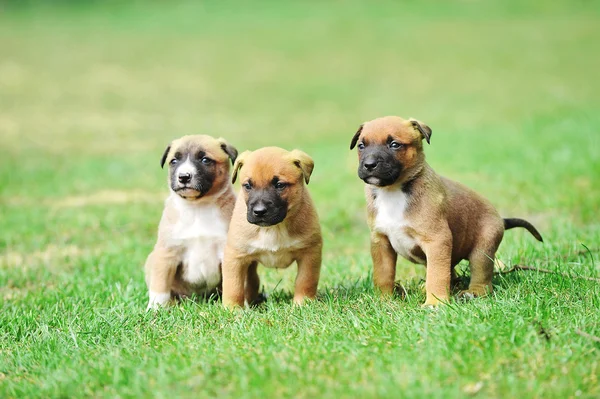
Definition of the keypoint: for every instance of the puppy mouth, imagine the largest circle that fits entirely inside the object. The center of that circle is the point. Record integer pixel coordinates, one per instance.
(189, 192)
(380, 178)
(263, 223)
(267, 220)
(376, 181)
(379, 181)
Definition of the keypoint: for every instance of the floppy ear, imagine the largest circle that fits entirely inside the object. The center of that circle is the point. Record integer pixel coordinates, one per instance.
(421, 127)
(304, 162)
(239, 162)
(356, 135)
(164, 156)
(229, 149)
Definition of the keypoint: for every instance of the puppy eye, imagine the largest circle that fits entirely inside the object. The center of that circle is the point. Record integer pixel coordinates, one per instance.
(173, 161)
(394, 145)
(361, 146)
(247, 186)
(206, 161)
(280, 185)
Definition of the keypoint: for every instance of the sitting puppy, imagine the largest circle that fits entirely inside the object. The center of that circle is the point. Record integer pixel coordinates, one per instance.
(274, 223)
(192, 232)
(427, 219)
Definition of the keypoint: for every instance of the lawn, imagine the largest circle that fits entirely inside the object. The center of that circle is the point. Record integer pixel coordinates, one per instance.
(90, 95)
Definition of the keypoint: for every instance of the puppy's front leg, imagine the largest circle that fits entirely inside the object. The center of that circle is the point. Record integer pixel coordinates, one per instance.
(235, 271)
(252, 284)
(439, 271)
(161, 266)
(309, 270)
(384, 263)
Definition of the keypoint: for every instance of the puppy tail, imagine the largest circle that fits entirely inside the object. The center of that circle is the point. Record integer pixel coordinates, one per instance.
(510, 223)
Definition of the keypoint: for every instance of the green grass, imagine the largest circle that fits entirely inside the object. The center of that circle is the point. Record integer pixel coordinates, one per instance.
(91, 95)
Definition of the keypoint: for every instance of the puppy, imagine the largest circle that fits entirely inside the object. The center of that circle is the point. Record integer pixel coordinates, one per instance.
(193, 229)
(425, 218)
(274, 223)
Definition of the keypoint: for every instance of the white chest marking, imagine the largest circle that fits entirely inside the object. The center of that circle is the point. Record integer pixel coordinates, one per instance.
(201, 232)
(391, 221)
(273, 246)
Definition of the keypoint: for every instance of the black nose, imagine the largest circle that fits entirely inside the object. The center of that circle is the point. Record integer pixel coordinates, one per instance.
(259, 210)
(184, 178)
(370, 163)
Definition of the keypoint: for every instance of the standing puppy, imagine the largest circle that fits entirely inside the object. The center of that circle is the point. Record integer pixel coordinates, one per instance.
(193, 229)
(274, 223)
(426, 218)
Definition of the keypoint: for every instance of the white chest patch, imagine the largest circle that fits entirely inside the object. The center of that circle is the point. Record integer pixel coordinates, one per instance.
(201, 232)
(273, 246)
(391, 221)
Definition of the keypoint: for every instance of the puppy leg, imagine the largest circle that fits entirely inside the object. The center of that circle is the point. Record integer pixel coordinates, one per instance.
(252, 284)
(481, 262)
(309, 270)
(439, 269)
(384, 264)
(235, 272)
(161, 266)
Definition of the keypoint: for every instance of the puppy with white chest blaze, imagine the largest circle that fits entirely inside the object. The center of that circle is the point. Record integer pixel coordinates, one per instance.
(274, 223)
(417, 214)
(192, 232)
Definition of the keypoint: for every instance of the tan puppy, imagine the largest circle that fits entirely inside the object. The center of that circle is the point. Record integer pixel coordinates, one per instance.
(425, 218)
(193, 229)
(274, 223)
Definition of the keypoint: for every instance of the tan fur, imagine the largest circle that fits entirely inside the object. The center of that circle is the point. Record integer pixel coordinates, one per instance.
(442, 221)
(296, 238)
(164, 266)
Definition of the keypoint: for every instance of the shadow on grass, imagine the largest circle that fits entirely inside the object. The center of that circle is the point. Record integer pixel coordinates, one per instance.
(348, 291)
(353, 290)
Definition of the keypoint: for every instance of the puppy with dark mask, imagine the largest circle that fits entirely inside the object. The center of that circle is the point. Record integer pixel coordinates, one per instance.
(193, 229)
(417, 214)
(274, 223)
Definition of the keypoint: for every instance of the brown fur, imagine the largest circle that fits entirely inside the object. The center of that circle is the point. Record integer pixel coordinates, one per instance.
(446, 221)
(296, 238)
(163, 266)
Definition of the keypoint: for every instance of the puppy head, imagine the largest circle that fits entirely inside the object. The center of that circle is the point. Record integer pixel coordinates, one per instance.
(272, 182)
(198, 165)
(388, 148)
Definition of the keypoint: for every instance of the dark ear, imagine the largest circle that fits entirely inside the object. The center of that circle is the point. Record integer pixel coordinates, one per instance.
(230, 150)
(423, 128)
(356, 135)
(239, 162)
(164, 157)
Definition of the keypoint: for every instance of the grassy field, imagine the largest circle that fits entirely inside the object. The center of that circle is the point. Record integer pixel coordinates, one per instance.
(90, 97)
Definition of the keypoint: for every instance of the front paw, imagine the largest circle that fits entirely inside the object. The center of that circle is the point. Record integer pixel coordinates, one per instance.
(433, 301)
(475, 291)
(300, 300)
(158, 300)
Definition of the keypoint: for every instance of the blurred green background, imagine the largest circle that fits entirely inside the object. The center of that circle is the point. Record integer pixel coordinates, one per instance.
(92, 92)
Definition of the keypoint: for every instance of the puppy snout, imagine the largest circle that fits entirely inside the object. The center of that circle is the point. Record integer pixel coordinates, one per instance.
(265, 212)
(184, 178)
(370, 163)
(259, 210)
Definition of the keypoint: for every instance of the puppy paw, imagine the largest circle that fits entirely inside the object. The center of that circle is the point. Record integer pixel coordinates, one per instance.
(466, 295)
(157, 300)
(433, 301)
(233, 305)
(300, 300)
(475, 291)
